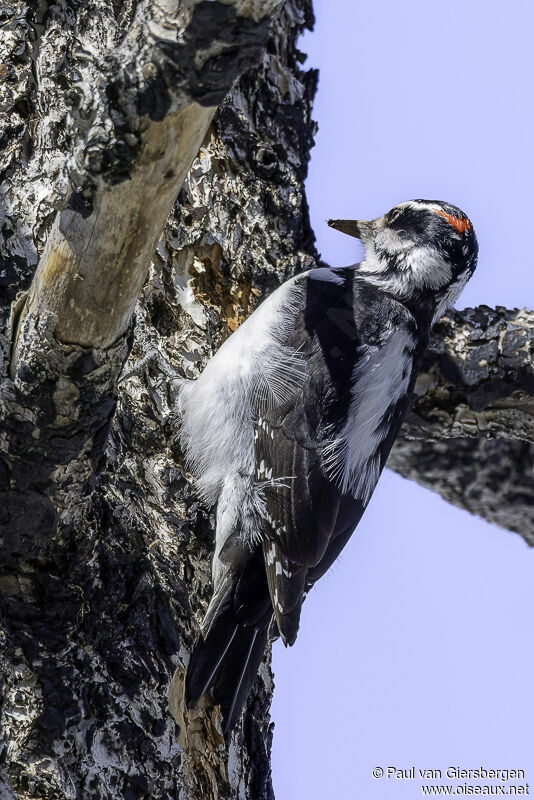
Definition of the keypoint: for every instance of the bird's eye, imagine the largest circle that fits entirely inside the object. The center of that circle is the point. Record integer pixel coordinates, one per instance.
(394, 215)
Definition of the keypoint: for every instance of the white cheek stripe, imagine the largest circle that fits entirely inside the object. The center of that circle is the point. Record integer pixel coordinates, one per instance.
(419, 268)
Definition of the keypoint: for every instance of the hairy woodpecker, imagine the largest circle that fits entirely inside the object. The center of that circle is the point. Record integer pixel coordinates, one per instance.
(289, 427)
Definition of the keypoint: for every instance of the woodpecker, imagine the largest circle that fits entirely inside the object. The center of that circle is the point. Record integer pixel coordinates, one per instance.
(290, 424)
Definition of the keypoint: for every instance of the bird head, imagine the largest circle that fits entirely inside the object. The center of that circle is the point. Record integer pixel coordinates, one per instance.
(422, 251)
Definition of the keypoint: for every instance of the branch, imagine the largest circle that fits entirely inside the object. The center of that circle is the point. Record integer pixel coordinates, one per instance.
(161, 89)
(95, 265)
(470, 433)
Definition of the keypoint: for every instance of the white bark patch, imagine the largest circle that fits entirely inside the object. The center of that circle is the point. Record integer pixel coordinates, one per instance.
(188, 301)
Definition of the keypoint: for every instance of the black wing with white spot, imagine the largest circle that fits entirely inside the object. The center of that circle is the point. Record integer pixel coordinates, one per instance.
(309, 514)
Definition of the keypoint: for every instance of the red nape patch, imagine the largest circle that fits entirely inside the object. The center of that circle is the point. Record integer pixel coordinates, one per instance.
(460, 224)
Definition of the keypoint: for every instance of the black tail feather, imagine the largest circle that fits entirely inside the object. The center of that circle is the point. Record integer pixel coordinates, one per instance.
(230, 648)
(203, 665)
(237, 673)
(210, 649)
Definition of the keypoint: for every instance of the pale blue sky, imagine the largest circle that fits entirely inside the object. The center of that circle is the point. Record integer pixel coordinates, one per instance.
(417, 648)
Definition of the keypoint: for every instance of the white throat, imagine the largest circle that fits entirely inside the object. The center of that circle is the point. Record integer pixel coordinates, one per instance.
(417, 268)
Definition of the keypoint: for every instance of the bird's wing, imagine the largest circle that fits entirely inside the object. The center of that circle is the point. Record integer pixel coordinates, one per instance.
(359, 368)
(301, 505)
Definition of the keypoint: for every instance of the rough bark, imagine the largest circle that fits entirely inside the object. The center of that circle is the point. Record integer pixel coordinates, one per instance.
(105, 548)
(470, 433)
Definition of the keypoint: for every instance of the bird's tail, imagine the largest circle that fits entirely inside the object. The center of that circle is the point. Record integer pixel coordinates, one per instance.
(229, 650)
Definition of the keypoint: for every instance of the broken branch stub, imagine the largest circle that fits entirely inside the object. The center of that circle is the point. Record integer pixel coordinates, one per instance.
(164, 84)
(93, 267)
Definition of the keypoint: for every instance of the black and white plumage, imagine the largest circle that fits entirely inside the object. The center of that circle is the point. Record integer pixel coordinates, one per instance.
(289, 427)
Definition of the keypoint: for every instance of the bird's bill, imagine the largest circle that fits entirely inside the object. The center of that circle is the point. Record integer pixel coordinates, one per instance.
(352, 227)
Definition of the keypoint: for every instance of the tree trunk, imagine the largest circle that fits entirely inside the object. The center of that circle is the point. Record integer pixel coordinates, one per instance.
(106, 549)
